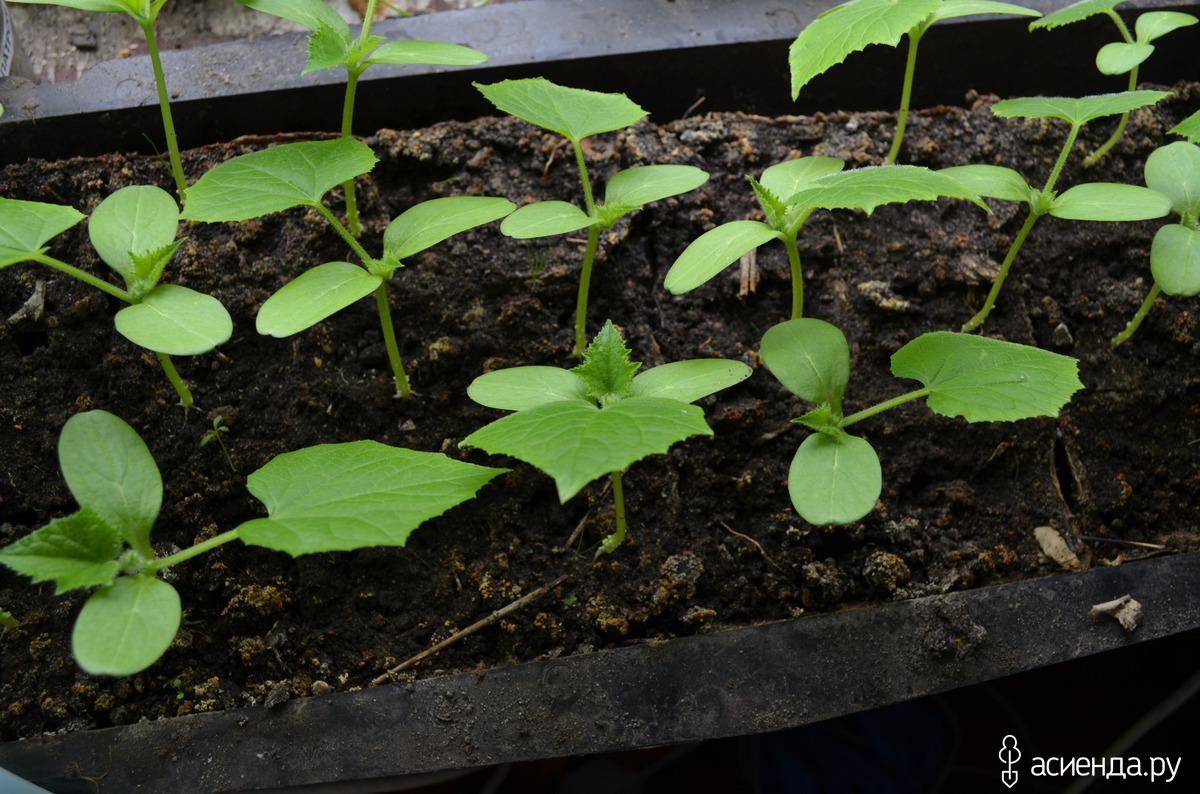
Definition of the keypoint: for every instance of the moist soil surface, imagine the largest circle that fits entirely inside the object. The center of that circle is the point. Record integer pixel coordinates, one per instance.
(713, 540)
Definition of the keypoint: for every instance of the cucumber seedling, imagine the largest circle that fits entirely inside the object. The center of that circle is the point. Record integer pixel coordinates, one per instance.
(598, 418)
(847, 28)
(134, 232)
(576, 114)
(835, 478)
(331, 497)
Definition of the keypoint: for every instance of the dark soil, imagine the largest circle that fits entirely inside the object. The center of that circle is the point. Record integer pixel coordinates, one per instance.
(714, 542)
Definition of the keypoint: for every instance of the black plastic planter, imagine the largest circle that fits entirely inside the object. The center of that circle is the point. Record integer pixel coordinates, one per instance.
(727, 683)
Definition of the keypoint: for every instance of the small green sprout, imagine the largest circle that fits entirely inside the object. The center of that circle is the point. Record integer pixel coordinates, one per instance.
(300, 174)
(7, 621)
(332, 497)
(852, 26)
(214, 434)
(788, 194)
(134, 232)
(835, 478)
(1121, 57)
(598, 418)
(145, 14)
(576, 114)
(332, 44)
(1096, 201)
(1174, 171)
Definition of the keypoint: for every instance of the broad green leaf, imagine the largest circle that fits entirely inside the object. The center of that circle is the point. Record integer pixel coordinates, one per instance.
(575, 442)
(110, 471)
(175, 320)
(1174, 171)
(311, 14)
(834, 479)
(139, 9)
(789, 177)
(573, 112)
(713, 251)
(1077, 110)
(1119, 57)
(1110, 201)
(77, 551)
(606, 370)
(688, 381)
(1074, 13)
(125, 627)
(867, 188)
(436, 53)
(993, 181)
(135, 220)
(274, 179)
(312, 296)
(26, 227)
(1175, 260)
(1189, 128)
(545, 219)
(635, 187)
(1156, 24)
(810, 358)
(953, 9)
(850, 27)
(328, 48)
(987, 380)
(337, 497)
(520, 388)
(435, 220)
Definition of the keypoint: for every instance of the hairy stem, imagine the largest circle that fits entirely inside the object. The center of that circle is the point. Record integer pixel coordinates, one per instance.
(1105, 147)
(988, 304)
(610, 543)
(910, 68)
(793, 253)
(1136, 321)
(194, 551)
(185, 395)
(355, 246)
(84, 276)
(164, 104)
(348, 132)
(867, 413)
(589, 202)
(585, 280)
(389, 340)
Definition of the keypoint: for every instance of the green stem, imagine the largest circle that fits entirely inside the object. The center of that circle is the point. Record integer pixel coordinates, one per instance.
(195, 551)
(590, 204)
(797, 277)
(185, 396)
(910, 68)
(1136, 321)
(867, 413)
(610, 543)
(585, 280)
(1105, 147)
(164, 104)
(347, 132)
(355, 246)
(389, 339)
(1068, 144)
(85, 277)
(986, 309)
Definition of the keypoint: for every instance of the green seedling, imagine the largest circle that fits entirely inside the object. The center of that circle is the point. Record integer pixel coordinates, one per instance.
(1096, 201)
(835, 478)
(214, 434)
(134, 232)
(1174, 171)
(300, 174)
(788, 194)
(598, 418)
(576, 114)
(7, 621)
(1189, 128)
(1119, 57)
(332, 497)
(145, 14)
(332, 44)
(835, 34)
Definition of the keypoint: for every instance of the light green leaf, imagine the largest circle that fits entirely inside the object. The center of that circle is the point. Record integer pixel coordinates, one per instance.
(1119, 57)
(545, 219)
(635, 187)
(993, 181)
(275, 179)
(850, 27)
(713, 251)
(867, 188)
(78, 551)
(688, 381)
(572, 112)
(175, 320)
(436, 53)
(311, 14)
(1175, 260)
(1110, 201)
(1074, 13)
(810, 358)
(337, 497)
(834, 479)
(26, 227)
(1174, 171)
(987, 380)
(1077, 110)
(312, 296)
(575, 442)
(328, 47)
(789, 177)
(606, 370)
(110, 471)
(435, 220)
(520, 388)
(125, 627)
(1156, 24)
(133, 221)
(139, 9)
(1189, 128)
(953, 9)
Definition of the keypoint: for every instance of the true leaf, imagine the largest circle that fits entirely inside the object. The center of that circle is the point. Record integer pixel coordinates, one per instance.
(713, 251)
(312, 296)
(993, 181)
(430, 222)
(311, 14)
(789, 177)
(26, 227)
(1189, 128)
(1175, 259)
(336, 497)
(77, 551)
(834, 479)
(867, 188)
(606, 369)
(545, 219)
(175, 320)
(1074, 13)
(810, 358)
(1120, 57)
(436, 53)
(135, 220)
(328, 48)
(688, 381)
(573, 112)
(635, 187)
(1174, 171)
(987, 380)
(136, 8)
(1110, 201)
(126, 626)
(521, 388)
(1077, 110)
(953, 9)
